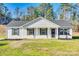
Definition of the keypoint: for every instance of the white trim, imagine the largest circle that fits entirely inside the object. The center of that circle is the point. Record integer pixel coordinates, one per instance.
(35, 25)
(56, 33)
(13, 27)
(31, 21)
(38, 20)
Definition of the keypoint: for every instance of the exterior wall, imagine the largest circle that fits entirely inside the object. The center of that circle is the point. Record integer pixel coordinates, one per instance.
(23, 34)
(36, 35)
(10, 36)
(65, 36)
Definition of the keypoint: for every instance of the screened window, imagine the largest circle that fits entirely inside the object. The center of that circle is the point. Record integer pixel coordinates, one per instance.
(15, 31)
(63, 31)
(66, 32)
(43, 31)
(30, 31)
(60, 31)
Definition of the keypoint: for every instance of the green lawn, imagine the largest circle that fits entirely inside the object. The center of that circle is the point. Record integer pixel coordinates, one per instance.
(3, 37)
(39, 47)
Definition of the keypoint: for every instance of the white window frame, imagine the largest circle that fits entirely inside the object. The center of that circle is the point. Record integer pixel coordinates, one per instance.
(15, 31)
(43, 31)
(30, 31)
(64, 31)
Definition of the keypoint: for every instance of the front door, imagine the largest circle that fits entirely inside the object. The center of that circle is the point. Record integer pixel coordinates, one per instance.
(52, 32)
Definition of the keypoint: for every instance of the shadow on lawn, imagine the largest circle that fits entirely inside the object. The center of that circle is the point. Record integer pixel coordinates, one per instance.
(11, 39)
(75, 37)
(3, 44)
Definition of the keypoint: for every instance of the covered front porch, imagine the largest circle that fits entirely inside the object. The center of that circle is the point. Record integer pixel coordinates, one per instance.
(47, 29)
(42, 33)
(48, 33)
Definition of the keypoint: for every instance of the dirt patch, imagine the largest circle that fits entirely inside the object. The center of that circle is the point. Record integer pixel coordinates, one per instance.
(16, 44)
(2, 30)
(64, 53)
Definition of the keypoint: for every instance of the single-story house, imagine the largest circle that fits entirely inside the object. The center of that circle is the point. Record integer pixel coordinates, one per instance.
(39, 28)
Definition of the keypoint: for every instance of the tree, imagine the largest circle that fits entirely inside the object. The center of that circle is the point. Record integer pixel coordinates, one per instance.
(30, 10)
(46, 10)
(18, 13)
(50, 12)
(31, 13)
(1, 9)
(74, 13)
(74, 16)
(3, 13)
(64, 9)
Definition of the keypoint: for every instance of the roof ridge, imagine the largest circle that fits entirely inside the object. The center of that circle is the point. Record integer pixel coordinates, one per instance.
(38, 18)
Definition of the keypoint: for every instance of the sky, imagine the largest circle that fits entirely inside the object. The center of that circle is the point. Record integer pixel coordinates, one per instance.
(24, 6)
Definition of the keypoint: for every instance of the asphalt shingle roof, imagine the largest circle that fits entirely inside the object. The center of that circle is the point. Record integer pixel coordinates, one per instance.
(62, 23)
(16, 23)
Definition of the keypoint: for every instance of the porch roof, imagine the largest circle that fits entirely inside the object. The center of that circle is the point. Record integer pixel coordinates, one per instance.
(63, 23)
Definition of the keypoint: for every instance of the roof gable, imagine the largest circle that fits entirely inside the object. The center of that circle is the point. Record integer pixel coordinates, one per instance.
(41, 23)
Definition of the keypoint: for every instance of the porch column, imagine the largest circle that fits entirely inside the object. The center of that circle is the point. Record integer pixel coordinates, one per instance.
(36, 32)
(70, 31)
(49, 32)
(56, 33)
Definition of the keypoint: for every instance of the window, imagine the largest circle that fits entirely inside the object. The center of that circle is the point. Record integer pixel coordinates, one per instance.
(66, 32)
(60, 32)
(15, 31)
(63, 31)
(43, 31)
(30, 31)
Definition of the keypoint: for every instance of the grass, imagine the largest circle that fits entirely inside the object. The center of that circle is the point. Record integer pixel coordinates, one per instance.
(3, 37)
(50, 47)
(76, 35)
(39, 48)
